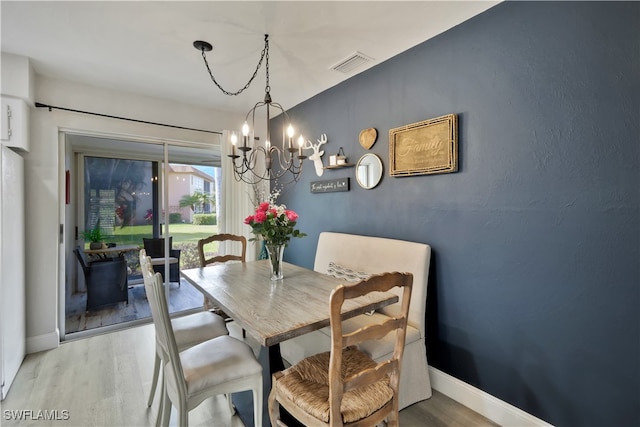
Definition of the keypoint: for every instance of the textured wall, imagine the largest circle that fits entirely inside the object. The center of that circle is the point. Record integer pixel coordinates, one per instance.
(535, 279)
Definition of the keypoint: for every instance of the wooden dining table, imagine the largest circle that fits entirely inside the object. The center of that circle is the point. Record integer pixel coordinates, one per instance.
(274, 311)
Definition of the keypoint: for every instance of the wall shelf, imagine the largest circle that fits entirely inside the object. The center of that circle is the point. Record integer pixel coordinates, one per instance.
(346, 165)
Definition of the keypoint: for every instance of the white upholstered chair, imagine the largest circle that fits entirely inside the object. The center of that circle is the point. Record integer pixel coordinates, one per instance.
(188, 330)
(222, 365)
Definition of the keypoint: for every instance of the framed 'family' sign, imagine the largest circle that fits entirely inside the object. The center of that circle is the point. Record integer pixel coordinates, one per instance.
(423, 148)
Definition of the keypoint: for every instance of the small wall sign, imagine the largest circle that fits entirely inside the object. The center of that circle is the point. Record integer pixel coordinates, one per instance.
(330, 185)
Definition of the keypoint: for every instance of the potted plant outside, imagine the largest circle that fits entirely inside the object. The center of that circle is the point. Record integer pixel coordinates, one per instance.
(94, 236)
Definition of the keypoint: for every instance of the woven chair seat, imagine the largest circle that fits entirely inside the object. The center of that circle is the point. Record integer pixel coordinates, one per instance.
(307, 385)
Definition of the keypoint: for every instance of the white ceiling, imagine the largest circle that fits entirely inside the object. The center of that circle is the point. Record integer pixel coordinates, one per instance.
(146, 47)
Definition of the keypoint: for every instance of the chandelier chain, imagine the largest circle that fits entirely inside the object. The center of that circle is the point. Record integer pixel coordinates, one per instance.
(246, 165)
(264, 53)
(267, 88)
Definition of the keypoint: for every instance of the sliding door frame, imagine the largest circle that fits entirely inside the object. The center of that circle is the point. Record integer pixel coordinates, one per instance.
(67, 231)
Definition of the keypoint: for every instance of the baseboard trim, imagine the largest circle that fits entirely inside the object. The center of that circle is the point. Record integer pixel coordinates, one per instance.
(43, 342)
(491, 407)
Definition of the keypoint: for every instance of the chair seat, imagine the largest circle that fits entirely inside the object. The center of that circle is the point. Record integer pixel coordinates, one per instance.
(188, 331)
(198, 327)
(214, 362)
(307, 385)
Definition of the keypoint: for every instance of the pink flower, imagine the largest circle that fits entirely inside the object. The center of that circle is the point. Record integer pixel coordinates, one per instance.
(260, 217)
(273, 223)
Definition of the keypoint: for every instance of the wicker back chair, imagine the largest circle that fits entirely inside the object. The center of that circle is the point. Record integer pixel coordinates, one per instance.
(222, 257)
(222, 239)
(106, 280)
(345, 387)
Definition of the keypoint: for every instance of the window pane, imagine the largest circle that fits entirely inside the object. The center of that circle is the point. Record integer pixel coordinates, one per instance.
(118, 196)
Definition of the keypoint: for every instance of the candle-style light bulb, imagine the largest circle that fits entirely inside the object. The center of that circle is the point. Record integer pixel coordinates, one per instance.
(234, 140)
(300, 144)
(290, 133)
(245, 134)
(267, 155)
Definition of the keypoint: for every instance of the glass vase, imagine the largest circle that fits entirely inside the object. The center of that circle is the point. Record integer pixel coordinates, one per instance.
(275, 260)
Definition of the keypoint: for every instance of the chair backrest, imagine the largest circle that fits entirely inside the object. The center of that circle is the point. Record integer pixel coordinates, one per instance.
(367, 375)
(224, 257)
(148, 276)
(155, 246)
(165, 337)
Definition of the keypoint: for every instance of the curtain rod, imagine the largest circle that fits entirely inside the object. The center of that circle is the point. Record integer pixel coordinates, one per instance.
(50, 107)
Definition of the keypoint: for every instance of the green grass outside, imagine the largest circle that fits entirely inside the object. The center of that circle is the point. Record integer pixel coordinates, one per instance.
(181, 233)
(185, 237)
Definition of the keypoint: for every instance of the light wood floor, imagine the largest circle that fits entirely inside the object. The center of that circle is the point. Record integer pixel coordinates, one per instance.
(104, 380)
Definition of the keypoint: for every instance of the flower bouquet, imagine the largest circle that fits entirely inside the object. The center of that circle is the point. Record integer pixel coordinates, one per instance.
(276, 226)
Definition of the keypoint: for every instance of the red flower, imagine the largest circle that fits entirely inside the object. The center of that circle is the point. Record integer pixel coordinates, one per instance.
(291, 215)
(274, 224)
(260, 217)
(264, 206)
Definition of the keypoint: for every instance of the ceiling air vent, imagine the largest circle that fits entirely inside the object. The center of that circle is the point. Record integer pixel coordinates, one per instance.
(351, 62)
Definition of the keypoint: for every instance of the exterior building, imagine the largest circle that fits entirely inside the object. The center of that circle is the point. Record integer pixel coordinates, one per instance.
(186, 180)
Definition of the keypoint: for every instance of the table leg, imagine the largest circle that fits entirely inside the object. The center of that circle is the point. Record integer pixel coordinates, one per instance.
(271, 361)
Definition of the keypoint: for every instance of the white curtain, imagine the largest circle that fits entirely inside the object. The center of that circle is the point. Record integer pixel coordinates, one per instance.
(236, 201)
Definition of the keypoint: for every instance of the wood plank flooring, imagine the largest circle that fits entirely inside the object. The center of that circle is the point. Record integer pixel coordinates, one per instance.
(181, 298)
(104, 380)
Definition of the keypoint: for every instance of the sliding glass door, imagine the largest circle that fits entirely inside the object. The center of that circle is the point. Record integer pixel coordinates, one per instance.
(122, 195)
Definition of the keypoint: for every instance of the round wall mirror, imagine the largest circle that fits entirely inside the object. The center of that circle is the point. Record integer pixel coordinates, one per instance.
(369, 171)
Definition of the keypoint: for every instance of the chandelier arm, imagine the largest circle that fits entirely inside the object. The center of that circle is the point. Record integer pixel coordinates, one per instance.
(265, 52)
(245, 171)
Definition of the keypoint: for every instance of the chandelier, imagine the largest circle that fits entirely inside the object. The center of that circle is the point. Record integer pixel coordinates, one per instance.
(254, 162)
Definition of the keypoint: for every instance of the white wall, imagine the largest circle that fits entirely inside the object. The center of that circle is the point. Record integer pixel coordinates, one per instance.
(45, 168)
(17, 77)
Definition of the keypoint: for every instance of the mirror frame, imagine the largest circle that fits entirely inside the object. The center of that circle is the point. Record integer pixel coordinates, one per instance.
(377, 179)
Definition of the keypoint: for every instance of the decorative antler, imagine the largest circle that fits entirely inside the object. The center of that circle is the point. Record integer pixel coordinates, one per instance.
(317, 154)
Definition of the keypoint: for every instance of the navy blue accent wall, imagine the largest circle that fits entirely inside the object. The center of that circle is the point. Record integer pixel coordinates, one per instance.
(534, 289)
